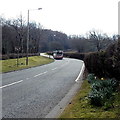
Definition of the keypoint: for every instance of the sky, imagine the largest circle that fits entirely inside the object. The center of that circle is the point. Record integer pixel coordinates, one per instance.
(73, 17)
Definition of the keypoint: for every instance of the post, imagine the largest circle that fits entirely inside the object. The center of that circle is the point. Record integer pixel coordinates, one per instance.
(17, 57)
(27, 51)
(49, 47)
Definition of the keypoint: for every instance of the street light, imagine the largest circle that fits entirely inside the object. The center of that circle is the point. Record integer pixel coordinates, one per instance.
(28, 35)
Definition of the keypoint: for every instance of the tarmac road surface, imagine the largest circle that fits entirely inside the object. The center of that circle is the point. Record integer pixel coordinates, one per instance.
(34, 92)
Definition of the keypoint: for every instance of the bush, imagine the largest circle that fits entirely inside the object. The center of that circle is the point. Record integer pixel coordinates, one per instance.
(75, 55)
(112, 61)
(96, 98)
(14, 55)
(94, 63)
(105, 63)
(91, 78)
(101, 90)
(50, 53)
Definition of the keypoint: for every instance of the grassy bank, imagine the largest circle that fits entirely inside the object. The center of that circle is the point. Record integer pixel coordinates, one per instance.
(81, 108)
(11, 64)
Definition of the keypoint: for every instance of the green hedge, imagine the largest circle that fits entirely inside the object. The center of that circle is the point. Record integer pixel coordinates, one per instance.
(105, 63)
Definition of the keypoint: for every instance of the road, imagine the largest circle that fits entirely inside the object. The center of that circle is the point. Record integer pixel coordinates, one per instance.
(34, 92)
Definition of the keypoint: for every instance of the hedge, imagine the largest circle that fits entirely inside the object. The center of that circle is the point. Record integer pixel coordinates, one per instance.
(13, 55)
(72, 55)
(105, 63)
(75, 55)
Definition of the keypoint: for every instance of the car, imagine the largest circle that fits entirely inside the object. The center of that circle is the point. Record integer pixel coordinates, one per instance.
(58, 54)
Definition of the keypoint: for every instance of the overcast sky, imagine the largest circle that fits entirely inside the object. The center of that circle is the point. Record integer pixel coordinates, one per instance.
(68, 16)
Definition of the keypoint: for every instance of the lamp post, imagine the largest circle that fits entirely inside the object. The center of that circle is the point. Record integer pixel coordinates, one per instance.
(28, 32)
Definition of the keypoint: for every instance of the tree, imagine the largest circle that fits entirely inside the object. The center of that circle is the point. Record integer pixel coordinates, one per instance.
(19, 27)
(100, 41)
(55, 45)
(79, 43)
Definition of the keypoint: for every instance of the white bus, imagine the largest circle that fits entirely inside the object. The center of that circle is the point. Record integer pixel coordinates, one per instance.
(58, 54)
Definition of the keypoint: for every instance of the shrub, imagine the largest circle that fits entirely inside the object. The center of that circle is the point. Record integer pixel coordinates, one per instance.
(96, 98)
(91, 78)
(101, 90)
(105, 63)
(75, 55)
(50, 53)
(94, 63)
(112, 61)
(14, 55)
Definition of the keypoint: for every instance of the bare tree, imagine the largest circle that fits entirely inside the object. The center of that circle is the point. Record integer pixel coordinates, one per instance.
(18, 25)
(100, 41)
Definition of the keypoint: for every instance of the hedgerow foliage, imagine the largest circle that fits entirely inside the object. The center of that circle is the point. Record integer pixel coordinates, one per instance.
(112, 60)
(75, 55)
(105, 63)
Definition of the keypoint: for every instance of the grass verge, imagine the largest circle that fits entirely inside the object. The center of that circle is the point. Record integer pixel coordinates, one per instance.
(81, 108)
(11, 64)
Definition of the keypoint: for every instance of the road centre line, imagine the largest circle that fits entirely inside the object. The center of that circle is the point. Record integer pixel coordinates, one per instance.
(40, 74)
(54, 68)
(11, 84)
(29, 78)
(20, 81)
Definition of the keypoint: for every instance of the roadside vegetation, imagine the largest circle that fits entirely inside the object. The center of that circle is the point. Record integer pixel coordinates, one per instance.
(11, 64)
(81, 107)
(99, 96)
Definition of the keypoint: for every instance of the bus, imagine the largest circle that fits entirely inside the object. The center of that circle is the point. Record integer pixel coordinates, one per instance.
(58, 54)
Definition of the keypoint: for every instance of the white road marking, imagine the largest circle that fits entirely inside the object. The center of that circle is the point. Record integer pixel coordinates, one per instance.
(40, 74)
(54, 68)
(11, 84)
(83, 66)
